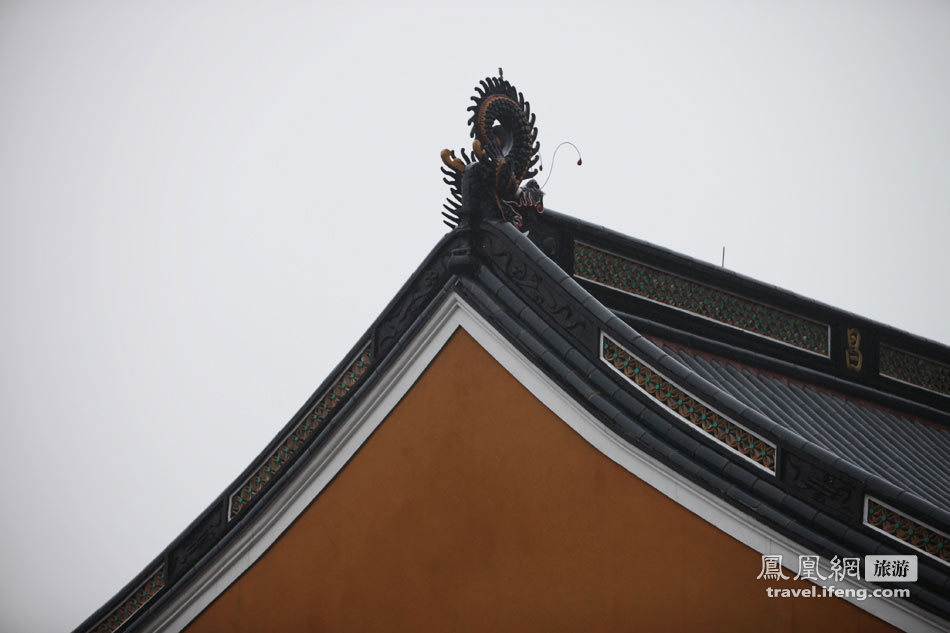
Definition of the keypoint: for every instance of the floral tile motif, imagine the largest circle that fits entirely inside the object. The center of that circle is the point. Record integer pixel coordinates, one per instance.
(292, 444)
(902, 528)
(687, 408)
(914, 370)
(678, 292)
(115, 620)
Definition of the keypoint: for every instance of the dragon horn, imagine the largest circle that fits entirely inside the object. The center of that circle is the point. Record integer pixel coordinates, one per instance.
(448, 157)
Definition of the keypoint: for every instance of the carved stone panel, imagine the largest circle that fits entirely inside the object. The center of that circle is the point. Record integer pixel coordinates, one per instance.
(542, 293)
(196, 543)
(409, 306)
(835, 493)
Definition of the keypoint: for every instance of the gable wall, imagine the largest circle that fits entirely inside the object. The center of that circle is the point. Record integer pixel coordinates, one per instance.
(473, 507)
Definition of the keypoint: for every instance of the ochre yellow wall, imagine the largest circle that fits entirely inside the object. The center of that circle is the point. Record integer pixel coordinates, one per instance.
(474, 508)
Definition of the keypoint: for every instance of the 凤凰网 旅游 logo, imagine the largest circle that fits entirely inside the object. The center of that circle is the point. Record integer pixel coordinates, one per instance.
(892, 568)
(877, 568)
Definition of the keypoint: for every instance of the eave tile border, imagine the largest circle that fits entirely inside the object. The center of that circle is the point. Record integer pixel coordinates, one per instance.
(687, 407)
(900, 527)
(297, 438)
(680, 293)
(130, 606)
(914, 370)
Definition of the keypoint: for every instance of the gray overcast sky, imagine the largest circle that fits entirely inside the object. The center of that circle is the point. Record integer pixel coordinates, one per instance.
(205, 204)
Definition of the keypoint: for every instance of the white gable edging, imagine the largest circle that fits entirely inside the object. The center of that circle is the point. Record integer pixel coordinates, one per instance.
(374, 406)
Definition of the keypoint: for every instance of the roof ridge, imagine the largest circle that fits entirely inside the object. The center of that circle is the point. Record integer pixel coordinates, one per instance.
(612, 234)
(632, 276)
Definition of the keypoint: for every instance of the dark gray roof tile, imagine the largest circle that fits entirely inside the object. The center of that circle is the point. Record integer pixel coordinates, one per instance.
(847, 467)
(633, 406)
(881, 487)
(603, 382)
(597, 309)
(555, 272)
(583, 388)
(674, 369)
(686, 464)
(653, 443)
(487, 280)
(773, 516)
(713, 460)
(799, 508)
(936, 602)
(861, 432)
(506, 321)
(769, 491)
(603, 405)
(507, 296)
(736, 472)
(863, 441)
(531, 342)
(743, 498)
(657, 423)
(580, 362)
(831, 525)
(929, 574)
(864, 543)
(618, 325)
(574, 290)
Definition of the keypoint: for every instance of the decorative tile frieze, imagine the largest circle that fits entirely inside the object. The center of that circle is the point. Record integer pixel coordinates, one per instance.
(295, 440)
(688, 408)
(914, 370)
(132, 604)
(684, 294)
(900, 527)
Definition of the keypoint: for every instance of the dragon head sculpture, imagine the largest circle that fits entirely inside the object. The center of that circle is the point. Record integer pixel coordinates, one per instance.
(488, 183)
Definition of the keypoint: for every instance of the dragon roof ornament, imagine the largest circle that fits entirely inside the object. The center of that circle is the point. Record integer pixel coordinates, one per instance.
(488, 183)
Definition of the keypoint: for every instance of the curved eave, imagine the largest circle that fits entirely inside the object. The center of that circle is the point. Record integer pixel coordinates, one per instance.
(877, 342)
(559, 326)
(550, 311)
(217, 526)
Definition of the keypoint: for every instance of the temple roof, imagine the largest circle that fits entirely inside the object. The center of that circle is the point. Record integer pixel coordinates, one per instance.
(911, 452)
(830, 429)
(781, 354)
(660, 290)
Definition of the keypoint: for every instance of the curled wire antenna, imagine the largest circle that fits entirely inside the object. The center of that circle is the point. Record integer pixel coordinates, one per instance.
(580, 161)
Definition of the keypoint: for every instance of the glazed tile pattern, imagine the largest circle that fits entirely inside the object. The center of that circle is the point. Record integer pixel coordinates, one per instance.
(915, 370)
(903, 528)
(689, 409)
(643, 281)
(296, 440)
(132, 604)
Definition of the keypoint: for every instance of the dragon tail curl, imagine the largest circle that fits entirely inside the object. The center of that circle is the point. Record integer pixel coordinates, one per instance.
(505, 152)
